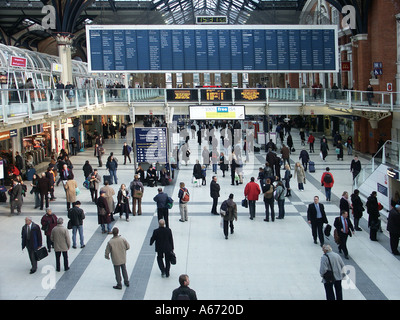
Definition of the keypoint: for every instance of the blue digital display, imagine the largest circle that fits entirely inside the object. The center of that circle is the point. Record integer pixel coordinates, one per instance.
(206, 48)
(151, 145)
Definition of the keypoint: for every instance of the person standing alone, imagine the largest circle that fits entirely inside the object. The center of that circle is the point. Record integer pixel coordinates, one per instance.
(214, 194)
(251, 192)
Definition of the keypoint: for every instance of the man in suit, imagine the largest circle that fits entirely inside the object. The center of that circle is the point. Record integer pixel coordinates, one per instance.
(345, 229)
(162, 236)
(214, 193)
(316, 217)
(32, 240)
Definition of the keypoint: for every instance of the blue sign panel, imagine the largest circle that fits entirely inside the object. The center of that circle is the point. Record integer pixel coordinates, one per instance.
(206, 48)
(151, 145)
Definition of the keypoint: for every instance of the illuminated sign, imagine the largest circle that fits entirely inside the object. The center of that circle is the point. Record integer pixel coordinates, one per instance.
(216, 94)
(211, 20)
(250, 95)
(217, 112)
(182, 95)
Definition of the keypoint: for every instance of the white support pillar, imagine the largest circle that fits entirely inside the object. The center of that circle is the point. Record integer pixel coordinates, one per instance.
(53, 135)
(64, 43)
(398, 59)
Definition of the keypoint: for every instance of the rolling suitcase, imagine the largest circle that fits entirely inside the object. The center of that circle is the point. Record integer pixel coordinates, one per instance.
(107, 178)
(311, 167)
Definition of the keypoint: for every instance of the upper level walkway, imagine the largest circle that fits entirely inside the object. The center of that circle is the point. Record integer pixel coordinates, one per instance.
(20, 106)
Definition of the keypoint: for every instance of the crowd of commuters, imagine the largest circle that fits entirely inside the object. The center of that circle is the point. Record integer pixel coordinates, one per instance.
(272, 186)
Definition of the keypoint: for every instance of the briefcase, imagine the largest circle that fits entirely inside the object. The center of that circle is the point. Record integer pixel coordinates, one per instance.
(245, 203)
(41, 253)
(172, 258)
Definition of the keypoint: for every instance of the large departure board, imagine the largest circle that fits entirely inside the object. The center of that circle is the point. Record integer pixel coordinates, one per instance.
(202, 48)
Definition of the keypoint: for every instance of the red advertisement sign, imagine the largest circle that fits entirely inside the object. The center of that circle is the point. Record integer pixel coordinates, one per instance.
(18, 62)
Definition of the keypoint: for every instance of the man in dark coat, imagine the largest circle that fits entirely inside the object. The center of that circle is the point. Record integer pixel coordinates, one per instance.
(162, 236)
(316, 216)
(305, 159)
(103, 213)
(162, 210)
(32, 240)
(393, 226)
(16, 197)
(345, 229)
(44, 189)
(214, 194)
(373, 212)
(184, 292)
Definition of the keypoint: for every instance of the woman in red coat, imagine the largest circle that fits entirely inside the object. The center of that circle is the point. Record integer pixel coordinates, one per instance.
(251, 192)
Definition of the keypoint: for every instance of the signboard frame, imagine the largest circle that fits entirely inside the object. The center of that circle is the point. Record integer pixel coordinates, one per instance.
(144, 131)
(316, 31)
(193, 107)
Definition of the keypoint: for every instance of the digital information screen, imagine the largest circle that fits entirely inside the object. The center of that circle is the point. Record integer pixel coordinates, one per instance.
(216, 112)
(182, 95)
(151, 145)
(250, 95)
(205, 48)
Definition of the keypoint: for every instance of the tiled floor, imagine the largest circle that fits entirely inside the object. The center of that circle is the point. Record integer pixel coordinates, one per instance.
(260, 261)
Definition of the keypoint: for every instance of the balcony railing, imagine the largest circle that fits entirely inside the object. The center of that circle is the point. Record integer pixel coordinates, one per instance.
(33, 103)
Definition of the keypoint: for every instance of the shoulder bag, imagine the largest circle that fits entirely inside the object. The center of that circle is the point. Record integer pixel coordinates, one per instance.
(328, 276)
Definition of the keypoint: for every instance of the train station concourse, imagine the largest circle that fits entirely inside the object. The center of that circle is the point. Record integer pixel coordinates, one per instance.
(109, 106)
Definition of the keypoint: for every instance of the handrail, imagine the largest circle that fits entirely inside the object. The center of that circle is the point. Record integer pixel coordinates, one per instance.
(29, 102)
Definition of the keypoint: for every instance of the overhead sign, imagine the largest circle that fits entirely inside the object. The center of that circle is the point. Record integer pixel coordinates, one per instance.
(182, 95)
(211, 20)
(205, 48)
(18, 62)
(217, 112)
(151, 145)
(216, 95)
(250, 95)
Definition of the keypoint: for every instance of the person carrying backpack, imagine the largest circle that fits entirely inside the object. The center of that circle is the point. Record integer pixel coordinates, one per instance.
(228, 213)
(184, 198)
(268, 190)
(327, 181)
(184, 292)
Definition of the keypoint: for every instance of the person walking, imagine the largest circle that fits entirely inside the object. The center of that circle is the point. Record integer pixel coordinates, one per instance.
(280, 198)
(184, 292)
(311, 141)
(162, 210)
(109, 195)
(393, 226)
(358, 208)
(35, 190)
(344, 203)
(331, 261)
(339, 150)
(126, 152)
(112, 166)
(285, 152)
(94, 184)
(164, 245)
(251, 192)
(222, 165)
(32, 240)
(98, 152)
(76, 215)
(373, 211)
(286, 178)
(104, 216)
(117, 248)
(214, 194)
(305, 159)
(87, 169)
(355, 168)
(184, 196)
(268, 190)
(16, 197)
(62, 243)
(137, 190)
(228, 214)
(370, 94)
(327, 182)
(123, 203)
(48, 222)
(324, 148)
(316, 217)
(44, 189)
(70, 188)
(345, 229)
